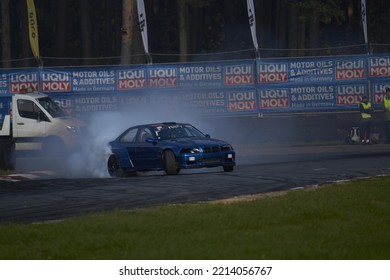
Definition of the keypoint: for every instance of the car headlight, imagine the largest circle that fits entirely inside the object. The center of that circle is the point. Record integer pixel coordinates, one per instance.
(190, 151)
(72, 129)
(227, 148)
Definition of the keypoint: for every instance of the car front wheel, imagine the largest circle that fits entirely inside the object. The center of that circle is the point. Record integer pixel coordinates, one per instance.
(170, 163)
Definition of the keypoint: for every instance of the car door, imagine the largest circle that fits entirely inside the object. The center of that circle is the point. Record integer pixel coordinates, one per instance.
(29, 120)
(30, 123)
(147, 154)
(128, 143)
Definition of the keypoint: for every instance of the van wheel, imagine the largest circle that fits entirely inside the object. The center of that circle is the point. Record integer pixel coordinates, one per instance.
(170, 163)
(114, 167)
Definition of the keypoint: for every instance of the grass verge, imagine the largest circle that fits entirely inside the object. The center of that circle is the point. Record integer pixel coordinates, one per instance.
(340, 221)
(6, 172)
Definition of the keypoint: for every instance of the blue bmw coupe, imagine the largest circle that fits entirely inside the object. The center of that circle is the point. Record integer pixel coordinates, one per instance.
(169, 147)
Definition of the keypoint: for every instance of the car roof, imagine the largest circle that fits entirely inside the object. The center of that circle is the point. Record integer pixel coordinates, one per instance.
(150, 125)
(156, 125)
(162, 124)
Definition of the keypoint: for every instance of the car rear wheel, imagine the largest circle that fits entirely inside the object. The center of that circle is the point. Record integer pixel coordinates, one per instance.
(114, 167)
(170, 163)
(228, 168)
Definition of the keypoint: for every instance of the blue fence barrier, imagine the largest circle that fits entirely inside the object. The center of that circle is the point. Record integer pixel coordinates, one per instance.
(222, 88)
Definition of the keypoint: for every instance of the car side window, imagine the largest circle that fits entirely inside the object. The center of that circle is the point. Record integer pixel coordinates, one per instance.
(28, 109)
(143, 134)
(130, 136)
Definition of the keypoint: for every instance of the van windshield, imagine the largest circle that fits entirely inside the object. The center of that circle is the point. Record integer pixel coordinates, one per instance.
(51, 107)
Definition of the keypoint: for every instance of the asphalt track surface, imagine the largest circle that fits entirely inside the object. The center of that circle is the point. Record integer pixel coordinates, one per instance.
(269, 169)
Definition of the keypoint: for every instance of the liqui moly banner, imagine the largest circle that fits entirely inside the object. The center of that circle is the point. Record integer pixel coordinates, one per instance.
(238, 75)
(86, 104)
(129, 79)
(311, 98)
(272, 72)
(351, 69)
(379, 66)
(242, 101)
(379, 73)
(274, 98)
(212, 101)
(297, 98)
(93, 80)
(226, 88)
(163, 77)
(55, 81)
(200, 75)
(378, 92)
(311, 70)
(4, 83)
(350, 94)
(23, 81)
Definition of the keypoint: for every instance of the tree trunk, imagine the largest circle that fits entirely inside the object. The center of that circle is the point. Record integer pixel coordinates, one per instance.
(281, 24)
(183, 30)
(5, 34)
(314, 30)
(132, 49)
(86, 30)
(301, 38)
(127, 30)
(292, 36)
(61, 27)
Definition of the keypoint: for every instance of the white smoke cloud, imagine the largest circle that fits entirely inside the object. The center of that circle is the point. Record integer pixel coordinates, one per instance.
(103, 127)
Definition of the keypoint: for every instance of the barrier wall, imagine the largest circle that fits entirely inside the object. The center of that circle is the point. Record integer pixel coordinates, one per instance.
(222, 88)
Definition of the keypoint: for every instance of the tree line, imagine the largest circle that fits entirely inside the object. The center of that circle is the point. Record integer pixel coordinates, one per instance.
(107, 32)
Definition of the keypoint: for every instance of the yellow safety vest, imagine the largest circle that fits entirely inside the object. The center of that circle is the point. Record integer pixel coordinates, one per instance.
(365, 107)
(386, 103)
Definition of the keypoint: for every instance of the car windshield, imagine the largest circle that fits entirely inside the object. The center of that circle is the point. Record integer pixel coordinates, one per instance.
(51, 107)
(174, 131)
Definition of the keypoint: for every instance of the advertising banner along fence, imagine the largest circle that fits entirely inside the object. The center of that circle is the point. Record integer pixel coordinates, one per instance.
(262, 86)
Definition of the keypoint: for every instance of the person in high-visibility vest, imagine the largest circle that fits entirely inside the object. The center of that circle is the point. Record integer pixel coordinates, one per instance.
(386, 107)
(366, 112)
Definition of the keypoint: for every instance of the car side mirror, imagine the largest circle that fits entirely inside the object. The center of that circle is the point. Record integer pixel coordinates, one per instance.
(151, 140)
(208, 136)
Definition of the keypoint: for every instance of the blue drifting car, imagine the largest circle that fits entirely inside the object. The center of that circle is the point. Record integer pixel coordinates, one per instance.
(169, 147)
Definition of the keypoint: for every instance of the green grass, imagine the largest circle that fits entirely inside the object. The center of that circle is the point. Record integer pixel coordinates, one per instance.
(6, 172)
(341, 221)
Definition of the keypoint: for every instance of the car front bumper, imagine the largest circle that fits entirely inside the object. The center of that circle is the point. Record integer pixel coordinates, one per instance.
(200, 160)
